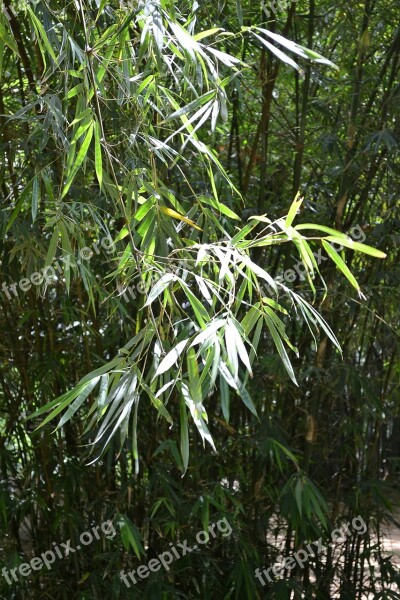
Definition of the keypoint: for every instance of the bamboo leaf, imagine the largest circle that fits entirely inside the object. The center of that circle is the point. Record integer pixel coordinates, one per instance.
(8, 40)
(191, 106)
(160, 286)
(323, 228)
(297, 202)
(79, 159)
(231, 350)
(78, 402)
(19, 204)
(225, 397)
(130, 536)
(240, 347)
(51, 252)
(338, 260)
(172, 213)
(35, 197)
(60, 403)
(281, 55)
(280, 347)
(199, 310)
(298, 492)
(184, 433)
(207, 33)
(348, 243)
(220, 207)
(157, 403)
(247, 401)
(42, 35)
(97, 154)
(297, 48)
(197, 412)
(170, 359)
(194, 378)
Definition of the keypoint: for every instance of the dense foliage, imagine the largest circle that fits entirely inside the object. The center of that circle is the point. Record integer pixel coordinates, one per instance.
(196, 320)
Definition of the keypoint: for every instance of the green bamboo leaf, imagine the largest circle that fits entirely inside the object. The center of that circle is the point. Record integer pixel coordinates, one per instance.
(293, 210)
(82, 115)
(124, 413)
(35, 197)
(157, 403)
(42, 35)
(123, 394)
(240, 235)
(219, 206)
(241, 348)
(199, 310)
(184, 428)
(78, 402)
(185, 40)
(280, 327)
(280, 347)
(130, 535)
(2, 48)
(313, 316)
(298, 492)
(297, 48)
(61, 402)
(250, 319)
(97, 153)
(247, 401)
(227, 59)
(170, 359)
(199, 416)
(318, 503)
(284, 450)
(225, 397)
(281, 55)
(165, 387)
(194, 378)
(348, 243)
(207, 33)
(51, 252)
(191, 106)
(227, 375)
(306, 255)
(79, 159)
(108, 367)
(338, 260)
(206, 381)
(102, 393)
(230, 341)
(144, 209)
(159, 288)
(8, 40)
(135, 450)
(205, 292)
(19, 204)
(75, 91)
(259, 272)
(323, 228)
(187, 123)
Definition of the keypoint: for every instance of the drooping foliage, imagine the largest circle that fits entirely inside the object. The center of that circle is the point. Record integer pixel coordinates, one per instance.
(192, 300)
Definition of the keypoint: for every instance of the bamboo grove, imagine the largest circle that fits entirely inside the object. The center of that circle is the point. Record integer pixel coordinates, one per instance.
(199, 233)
